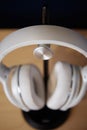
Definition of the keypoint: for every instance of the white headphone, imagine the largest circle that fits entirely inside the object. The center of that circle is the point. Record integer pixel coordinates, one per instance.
(67, 83)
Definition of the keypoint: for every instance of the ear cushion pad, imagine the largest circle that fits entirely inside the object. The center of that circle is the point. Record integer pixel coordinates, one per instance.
(31, 86)
(59, 81)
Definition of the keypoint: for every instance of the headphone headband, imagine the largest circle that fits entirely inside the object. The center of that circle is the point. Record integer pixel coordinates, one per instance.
(43, 34)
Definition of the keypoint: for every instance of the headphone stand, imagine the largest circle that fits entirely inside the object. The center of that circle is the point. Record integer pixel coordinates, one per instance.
(46, 118)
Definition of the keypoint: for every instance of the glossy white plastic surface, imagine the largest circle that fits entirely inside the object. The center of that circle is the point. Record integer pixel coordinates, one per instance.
(83, 89)
(4, 77)
(74, 88)
(43, 34)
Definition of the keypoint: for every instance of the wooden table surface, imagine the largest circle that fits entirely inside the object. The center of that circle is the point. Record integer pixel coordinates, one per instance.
(11, 117)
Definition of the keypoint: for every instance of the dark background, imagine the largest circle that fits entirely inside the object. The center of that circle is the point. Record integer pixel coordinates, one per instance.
(22, 13)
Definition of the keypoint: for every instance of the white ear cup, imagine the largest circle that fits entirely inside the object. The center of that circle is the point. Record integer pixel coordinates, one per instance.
(16, 92)
(5, 78)
(74, 87)
(82, 87)
(28, 87)
(61, 76)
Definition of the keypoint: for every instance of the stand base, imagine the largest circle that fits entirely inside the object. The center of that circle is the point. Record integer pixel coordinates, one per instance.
(46, 118)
